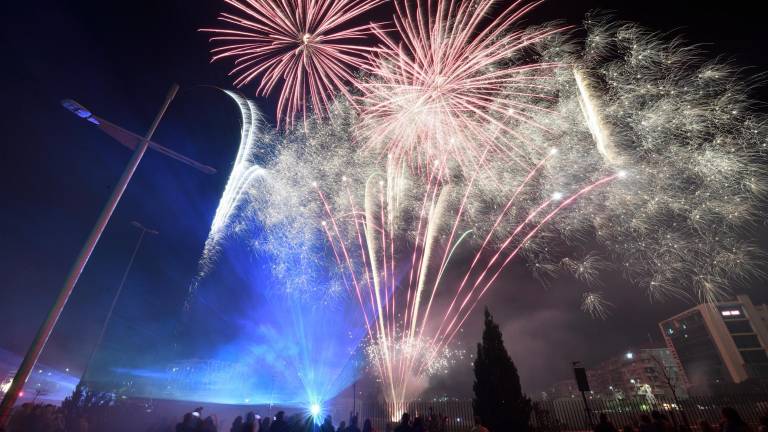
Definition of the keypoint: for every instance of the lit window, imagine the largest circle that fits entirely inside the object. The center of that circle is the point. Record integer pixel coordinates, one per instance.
(730, 312)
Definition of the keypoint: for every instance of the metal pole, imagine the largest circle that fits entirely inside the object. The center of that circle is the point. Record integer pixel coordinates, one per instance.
(116, 297)
(33, 353)
(587, 410)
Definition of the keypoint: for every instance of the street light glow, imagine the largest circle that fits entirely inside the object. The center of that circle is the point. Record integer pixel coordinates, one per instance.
(79, 110)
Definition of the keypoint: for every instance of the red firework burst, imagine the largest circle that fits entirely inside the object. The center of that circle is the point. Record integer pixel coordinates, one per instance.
(306, 47)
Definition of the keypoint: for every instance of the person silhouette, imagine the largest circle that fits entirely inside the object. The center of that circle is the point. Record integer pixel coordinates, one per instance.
(279, 425)
(353, 424)
(405, 423)
(368, 426)
(327, 425)
(237, 424)
(604, 425)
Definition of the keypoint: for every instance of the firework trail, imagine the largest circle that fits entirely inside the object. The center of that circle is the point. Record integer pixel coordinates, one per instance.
(399, 309)
(658, 167)
(308, 47)
(245, 168)
(245, 171)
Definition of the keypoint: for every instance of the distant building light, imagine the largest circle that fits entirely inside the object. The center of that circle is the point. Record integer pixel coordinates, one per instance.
(629, 355)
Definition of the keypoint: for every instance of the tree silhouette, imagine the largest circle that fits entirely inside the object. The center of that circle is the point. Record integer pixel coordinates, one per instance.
(499, 401)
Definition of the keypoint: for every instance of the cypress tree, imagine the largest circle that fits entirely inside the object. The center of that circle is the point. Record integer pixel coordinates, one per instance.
(499, 400)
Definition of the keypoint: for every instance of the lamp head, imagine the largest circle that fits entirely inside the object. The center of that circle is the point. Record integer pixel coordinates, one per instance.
(79, 110)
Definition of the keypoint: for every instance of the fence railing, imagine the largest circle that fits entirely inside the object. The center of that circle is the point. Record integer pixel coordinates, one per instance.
(570, 414)
(458, 412)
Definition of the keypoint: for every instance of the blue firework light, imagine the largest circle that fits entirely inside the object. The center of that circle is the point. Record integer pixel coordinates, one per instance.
(265, 321)
(285, 321)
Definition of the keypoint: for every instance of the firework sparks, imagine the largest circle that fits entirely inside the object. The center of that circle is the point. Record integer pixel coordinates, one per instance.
(454, 85)
(587, 269)
(401, 349)
(306, 46)
(684, 123)
(594, 304)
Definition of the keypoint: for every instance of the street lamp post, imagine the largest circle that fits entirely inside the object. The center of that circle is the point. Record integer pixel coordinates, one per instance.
(583, 384)
(139, 145)
(144, 231)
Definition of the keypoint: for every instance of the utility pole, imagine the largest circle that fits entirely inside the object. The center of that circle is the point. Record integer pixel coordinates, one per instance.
(139, 145)
(104, 327)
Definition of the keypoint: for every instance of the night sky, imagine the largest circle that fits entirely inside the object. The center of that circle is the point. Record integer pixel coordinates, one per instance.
(118, 58)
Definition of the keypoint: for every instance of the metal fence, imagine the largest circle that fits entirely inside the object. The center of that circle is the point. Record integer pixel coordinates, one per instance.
(570, 414)
(458, 412)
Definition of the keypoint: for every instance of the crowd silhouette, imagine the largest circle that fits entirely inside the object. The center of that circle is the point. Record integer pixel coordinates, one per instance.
(49, 418)
(730, 421)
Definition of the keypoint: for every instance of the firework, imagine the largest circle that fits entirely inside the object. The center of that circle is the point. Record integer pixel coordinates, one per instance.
(402, 348)
(452, 84)
(594, 304)
(245, 172)
(658, 165)
(587, 269)
(398, 301)
(306, 47)
(683, 127)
